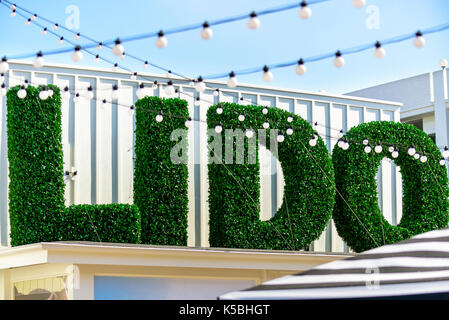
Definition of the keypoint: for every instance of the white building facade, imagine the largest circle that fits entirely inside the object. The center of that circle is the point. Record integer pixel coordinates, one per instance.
(425, 102)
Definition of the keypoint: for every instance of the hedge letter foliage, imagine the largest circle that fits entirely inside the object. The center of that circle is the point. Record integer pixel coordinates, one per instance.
(160, 186)
(119, 223)
(425, 186)
(234, 204)
(36, 188)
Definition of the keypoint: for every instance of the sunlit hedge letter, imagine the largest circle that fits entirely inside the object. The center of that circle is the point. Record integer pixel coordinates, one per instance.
(234, 188)
(160, 184)
(36, 188)
(358, 219)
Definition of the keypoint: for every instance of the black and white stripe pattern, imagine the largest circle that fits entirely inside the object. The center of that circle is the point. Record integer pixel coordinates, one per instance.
(417, 266)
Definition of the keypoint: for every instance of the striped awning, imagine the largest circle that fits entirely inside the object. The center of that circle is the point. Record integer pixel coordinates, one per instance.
(417, 266)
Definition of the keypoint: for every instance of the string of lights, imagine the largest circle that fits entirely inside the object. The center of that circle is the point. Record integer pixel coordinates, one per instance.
(305, 12)
(343, 143)
(339, 61)
(379, 52)
(200, 86)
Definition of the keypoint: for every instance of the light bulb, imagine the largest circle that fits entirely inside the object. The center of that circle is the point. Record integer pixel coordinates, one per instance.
(265, 110)
(134, 76)
(97, 58)
(411, 151)
(159, 117)
(207, 32)
(55, 27)
(419, 40)
(340, 134)
(416, 156)
(200, 85)
(90, 95)
(340, 143)
(154, 86)
(380, 52)
(290, 119)
(253, 22)
(115, 67)
(365, 142)
(219, 110)
(367, 149)
(34, 17)
(77, 55)
(131, 110)
(169, 89)
(188, 122)
(100, 46)
(61, 40)
(39, 61)
(4, 66)
(446, 153)
(13, 13)
(442, 162)
(242, 117)
(345, 145)
(289, 131)
(390, 149)
(218, 128)
(216, 92)
(114, 94)
(44, 31)
(161, 41)
(118, 49)
(395, 154)
(423, 158)
(28, 22)
(378, 148)
(249, 133)
(3, 90)
(266, 125)
(313, 141)
(232, 81)
(301, 69)
(140, 93)
(197, 102)
(77, 36)
(66, 93)
(145, 64)
(280, 137)
(22, 93)
(43, 94)
(267, 75)
(339, 61)
(358, 3)
(76, 98)
(13, 7)
(305, 11)
(50, 92)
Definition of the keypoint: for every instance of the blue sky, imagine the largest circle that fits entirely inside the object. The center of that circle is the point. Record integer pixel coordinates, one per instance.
(282, 37)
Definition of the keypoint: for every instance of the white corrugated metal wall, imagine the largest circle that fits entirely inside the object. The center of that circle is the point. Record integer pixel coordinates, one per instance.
(98, 142)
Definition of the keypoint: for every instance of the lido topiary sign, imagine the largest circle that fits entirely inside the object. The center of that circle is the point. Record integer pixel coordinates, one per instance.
(316, 185)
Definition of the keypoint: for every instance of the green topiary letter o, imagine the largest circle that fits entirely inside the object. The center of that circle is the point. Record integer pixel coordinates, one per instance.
(358, 220)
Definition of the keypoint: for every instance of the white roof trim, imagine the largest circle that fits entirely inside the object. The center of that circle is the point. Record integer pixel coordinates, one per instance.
(221, 83)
